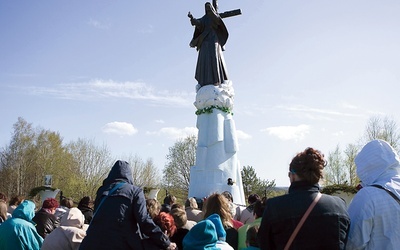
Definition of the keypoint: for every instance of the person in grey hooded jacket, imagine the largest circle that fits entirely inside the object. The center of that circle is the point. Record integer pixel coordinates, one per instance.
(375, 209)
(120, 216)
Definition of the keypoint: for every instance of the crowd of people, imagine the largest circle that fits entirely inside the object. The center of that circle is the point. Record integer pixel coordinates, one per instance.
(53, 226)
(121, 217)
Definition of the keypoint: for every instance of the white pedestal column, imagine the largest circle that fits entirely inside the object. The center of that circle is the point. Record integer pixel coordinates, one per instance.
(216, 156)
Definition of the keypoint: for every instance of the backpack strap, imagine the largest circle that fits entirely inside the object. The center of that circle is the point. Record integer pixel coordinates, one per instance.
(387, 191)
(109, 193)
(303, 219)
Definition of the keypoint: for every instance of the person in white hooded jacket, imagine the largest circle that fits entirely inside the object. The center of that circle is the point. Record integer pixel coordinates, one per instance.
(70, 233)
(375, 209)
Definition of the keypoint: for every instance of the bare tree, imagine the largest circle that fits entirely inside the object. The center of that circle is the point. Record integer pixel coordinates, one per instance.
(335, 172)
(350, 154)
(144, 174)
(94, 163)
(384, 128)
(15, 159)
(182, 155)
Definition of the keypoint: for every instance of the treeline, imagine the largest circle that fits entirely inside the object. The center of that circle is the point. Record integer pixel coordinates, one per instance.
(78, 168)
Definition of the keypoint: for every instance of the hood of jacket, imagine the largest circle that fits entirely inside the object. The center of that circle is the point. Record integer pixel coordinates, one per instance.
(219, 228)
(377, 163)
(202, 236)
(25, 211)
(121, 171)
(73, 218)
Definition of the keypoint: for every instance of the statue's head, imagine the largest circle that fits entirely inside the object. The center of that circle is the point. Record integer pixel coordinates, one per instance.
(209, 8)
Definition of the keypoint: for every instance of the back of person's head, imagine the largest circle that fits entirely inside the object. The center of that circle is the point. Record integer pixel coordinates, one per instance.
(259, 207)
(16, 200)
(376, 158)
(251, 236)
(169, 199)
(153, 207)
(218, 204)
(253, 198)
(201, 236)
(50, 203)
(177, 205)
(3, 211)
(191, 202)
(308, 165)
(86, 201)
(228, 196)
(180, 217)
(73, 218)
(67, 202)
(166, 222)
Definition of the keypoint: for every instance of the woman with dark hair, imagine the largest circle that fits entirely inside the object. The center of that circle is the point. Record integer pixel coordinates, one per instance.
(14, 202)
(45, 219)
(327, 224)
(86, 207)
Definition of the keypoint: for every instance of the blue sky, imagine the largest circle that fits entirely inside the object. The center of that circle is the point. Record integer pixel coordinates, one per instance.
(305, 73)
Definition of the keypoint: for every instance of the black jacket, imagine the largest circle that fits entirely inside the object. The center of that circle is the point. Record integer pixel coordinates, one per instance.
(326, 227)
(87, 212)
(45, 222)
(117, 223)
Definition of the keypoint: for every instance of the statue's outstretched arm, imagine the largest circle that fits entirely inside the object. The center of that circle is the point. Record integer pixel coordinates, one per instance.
(193, 20)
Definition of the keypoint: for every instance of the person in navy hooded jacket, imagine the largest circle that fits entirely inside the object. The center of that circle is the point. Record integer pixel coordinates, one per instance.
(120, 216)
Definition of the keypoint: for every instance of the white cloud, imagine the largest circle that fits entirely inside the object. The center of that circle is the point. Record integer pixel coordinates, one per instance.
(242, 135)
(103, 89)
(147, 30)
(305, 110)
(338, 134)
(160, 121)
(348, 105)
(288, 132)
(98, 24)
(175, 133)
(119, 128)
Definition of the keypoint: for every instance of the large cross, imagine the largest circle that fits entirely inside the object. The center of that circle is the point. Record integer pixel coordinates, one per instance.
(226, 13)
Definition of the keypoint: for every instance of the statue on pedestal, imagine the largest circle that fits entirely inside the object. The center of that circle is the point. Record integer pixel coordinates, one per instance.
(217, 168)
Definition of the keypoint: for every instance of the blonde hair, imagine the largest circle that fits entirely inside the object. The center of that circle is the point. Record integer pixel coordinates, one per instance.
(3, 211)
(180, 217)
(153, 207)
(218, 204)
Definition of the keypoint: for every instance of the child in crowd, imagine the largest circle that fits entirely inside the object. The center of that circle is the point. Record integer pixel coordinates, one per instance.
(251, 238)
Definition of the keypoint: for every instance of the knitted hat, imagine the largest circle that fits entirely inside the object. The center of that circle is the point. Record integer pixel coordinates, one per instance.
(201, 236)
(216, 220)
(374, 159)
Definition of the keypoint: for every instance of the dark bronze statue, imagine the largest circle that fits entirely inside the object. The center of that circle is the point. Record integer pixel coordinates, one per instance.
(210, 36)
